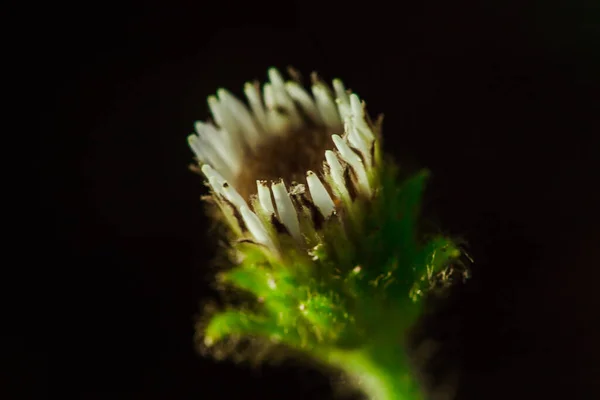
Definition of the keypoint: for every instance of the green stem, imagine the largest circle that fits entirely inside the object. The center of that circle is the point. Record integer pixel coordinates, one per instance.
(381, 373)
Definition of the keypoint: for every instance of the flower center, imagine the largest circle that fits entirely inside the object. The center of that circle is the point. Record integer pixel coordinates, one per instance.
(288, 156)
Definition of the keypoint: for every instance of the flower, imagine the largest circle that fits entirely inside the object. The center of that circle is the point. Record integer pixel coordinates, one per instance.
(323, 230)
(259, 159)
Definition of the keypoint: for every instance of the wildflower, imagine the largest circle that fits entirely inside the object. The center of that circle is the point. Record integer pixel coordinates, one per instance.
(322, 230)
(260, 160)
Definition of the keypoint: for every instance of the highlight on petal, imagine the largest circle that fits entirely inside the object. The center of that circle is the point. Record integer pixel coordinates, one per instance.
(340, 91)
(342, 100)
(206, 153)
(214, 178)
(355, 162)
(319, 195)
(264, 197)
(252, 92)
(277, 122)
(238, 111)
(357, 141)
(282, 100)
(223, 119)
(256, 227)
(326, 106)
(275, 77)
(336, 171)
(221, 142)
(233, 196)
(286, 210)
(300, 96)
(358, 114)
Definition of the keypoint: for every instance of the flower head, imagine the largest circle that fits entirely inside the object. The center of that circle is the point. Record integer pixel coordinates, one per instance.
(285, 155)
(323, 232)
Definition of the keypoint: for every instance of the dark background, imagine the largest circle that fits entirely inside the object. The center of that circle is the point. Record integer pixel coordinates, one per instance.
(500, 101)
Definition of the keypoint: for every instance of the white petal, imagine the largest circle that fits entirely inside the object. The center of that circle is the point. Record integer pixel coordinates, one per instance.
(255, 227)
(253, 95)
(269, 96)
(337, 174)
(197, 148)
(220, 141)
(233, 196)
(264, 197)
(222, 117)
(276, 122)
(299, 95)
(214, 179)
(281, 98)
(343, 109)
(220, 185)
(357, 108)
(358, 113)
(326, 106)
(319, 194)
(216, 186)
(207, 154)
(340, 91)
(275, 77)
(351, 158)
(342, 100)
(209, 172)
(357, 140)
(239, 112)
(286, 210)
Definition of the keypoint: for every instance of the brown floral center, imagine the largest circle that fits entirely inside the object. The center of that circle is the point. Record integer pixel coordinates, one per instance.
(288, 157)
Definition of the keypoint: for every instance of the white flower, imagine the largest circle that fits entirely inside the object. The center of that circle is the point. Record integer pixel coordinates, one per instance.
(259, 157)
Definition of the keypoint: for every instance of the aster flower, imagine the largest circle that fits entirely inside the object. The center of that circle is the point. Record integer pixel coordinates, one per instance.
(322, 231)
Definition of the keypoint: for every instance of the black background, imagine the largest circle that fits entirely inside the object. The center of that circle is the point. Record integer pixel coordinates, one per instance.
(500, 101)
